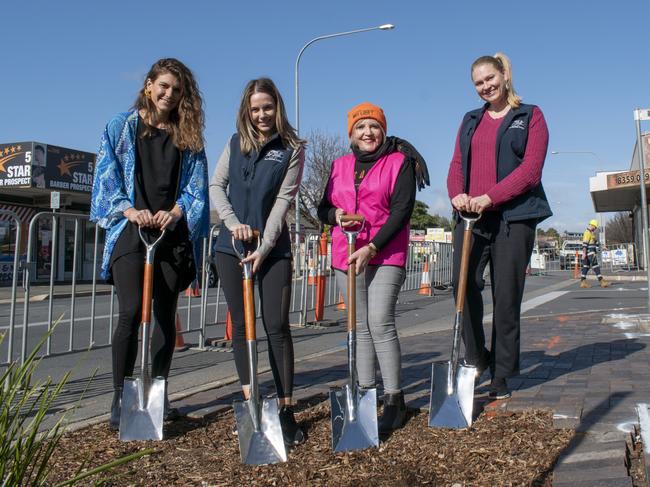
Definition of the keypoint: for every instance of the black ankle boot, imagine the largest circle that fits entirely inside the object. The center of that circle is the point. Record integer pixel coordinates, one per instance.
(394, 413)
(170, 413)
(291, 432)
(116, 408)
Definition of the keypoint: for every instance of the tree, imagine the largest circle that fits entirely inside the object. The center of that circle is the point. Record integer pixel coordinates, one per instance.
(619, 229)
(421, 219)
(322, 150)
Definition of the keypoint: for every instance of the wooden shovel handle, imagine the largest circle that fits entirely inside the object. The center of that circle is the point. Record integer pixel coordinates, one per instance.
(351, 218)
(464, 268)
(249, 310)
(147, 291)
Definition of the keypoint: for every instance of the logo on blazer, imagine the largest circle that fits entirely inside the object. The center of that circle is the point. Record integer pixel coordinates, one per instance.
(518, 124)
(274, 155)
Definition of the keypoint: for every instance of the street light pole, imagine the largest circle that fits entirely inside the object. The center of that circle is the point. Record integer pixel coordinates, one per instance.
(638, 116)
(297, 94)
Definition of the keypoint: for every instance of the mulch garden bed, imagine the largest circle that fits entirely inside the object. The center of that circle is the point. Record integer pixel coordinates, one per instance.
(499, 449)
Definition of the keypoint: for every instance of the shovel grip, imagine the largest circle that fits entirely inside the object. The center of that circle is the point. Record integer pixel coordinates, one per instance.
(351, 218)
(464, 267)
(249, 310)
(147, 292)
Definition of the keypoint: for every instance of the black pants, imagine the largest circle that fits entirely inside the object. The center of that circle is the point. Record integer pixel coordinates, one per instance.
(507, 248)
(128, 278)
(274, 283)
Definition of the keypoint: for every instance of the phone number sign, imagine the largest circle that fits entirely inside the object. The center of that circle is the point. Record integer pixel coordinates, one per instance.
(626, 179)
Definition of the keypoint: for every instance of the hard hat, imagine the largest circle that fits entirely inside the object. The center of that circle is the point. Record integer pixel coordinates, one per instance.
(593, 223)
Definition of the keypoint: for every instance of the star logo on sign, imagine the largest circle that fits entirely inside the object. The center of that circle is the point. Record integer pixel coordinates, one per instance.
(9, 154)
(67, 162)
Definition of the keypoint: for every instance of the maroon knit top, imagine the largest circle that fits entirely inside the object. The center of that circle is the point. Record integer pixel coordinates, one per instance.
(483, 167)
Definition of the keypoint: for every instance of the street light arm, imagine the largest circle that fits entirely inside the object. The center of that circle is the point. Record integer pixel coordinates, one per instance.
(559, 152)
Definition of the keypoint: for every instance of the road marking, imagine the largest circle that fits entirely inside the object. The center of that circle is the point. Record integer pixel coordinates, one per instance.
(533, 303)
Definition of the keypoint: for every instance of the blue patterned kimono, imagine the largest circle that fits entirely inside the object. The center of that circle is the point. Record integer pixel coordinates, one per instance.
(114, 185)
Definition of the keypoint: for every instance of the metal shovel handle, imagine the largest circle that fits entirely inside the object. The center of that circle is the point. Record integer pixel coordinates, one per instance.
(147, 283)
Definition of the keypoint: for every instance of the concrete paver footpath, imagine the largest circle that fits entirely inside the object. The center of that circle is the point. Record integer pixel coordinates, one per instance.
(585, 356)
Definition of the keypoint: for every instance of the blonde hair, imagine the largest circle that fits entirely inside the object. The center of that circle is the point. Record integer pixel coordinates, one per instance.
(186, 121)
(501, 62)
(249, 137)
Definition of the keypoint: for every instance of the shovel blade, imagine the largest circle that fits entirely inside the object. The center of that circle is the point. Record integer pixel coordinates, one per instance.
(141, 417)
(358, 432)
(261, 444)
(451, 409)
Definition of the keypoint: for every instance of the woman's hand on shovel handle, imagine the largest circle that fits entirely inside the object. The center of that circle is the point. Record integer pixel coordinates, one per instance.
(361, 258)
(242, 232)
(256, 258)
(340, 212)
(479, 204)
(461, 202)
(142, 218)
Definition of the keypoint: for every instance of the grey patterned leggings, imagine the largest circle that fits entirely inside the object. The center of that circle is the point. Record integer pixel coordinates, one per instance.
(377, 290)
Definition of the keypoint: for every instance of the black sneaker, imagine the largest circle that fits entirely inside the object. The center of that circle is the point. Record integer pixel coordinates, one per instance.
(291, 432)
(499, 389)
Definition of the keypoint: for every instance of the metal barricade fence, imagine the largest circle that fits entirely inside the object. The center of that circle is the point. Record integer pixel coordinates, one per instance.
(9, 338)
(430, 261)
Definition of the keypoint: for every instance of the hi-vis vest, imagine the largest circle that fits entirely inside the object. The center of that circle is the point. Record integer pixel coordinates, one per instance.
(590, 242)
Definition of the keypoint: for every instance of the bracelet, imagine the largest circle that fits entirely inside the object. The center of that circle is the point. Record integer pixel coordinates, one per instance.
(374, 249)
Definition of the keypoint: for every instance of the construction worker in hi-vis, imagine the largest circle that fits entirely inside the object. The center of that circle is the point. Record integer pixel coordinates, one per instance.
(590, 247)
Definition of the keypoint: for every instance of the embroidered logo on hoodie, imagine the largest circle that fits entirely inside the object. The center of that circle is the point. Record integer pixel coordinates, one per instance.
(518, 124)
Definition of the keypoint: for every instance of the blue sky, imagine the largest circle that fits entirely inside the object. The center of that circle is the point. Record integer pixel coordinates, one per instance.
(69, 66)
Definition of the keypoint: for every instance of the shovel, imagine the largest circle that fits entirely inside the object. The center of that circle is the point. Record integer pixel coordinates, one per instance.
(452, 385)
(258, 420)
(143, 399)
(354, 410)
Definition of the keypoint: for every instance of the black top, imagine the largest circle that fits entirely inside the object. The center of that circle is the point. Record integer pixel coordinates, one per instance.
(157, 173)
(402, 201)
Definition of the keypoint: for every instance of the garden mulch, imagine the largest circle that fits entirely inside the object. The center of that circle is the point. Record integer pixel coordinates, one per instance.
(501, 448)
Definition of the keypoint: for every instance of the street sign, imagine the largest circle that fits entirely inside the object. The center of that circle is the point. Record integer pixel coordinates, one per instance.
(55, 200)
(642, 114)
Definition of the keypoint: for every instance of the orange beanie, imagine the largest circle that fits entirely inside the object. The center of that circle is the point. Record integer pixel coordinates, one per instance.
(366, 110)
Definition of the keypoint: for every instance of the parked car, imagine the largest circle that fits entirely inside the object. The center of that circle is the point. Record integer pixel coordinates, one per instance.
(568, 253)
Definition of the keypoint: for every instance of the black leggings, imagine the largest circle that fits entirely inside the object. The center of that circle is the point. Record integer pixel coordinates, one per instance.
(128, 278)
(274, 283)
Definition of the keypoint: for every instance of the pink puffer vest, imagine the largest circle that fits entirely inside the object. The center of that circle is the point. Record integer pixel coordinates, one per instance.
(372, 200)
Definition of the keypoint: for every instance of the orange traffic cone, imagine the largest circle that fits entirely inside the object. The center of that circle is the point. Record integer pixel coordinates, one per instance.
(193, 290)
(228, 334)
(311, 279)
(341, 304)
(425, 285)
(576, 268)
(180, 345)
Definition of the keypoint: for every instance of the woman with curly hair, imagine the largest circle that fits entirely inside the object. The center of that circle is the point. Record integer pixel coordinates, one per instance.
(151, 173)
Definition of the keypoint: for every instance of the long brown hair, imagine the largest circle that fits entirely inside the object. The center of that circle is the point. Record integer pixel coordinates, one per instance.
(249, 137)
(186, 121)
(501, 63)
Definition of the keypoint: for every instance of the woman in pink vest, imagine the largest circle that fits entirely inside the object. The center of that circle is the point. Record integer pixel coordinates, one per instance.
(378, 180)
